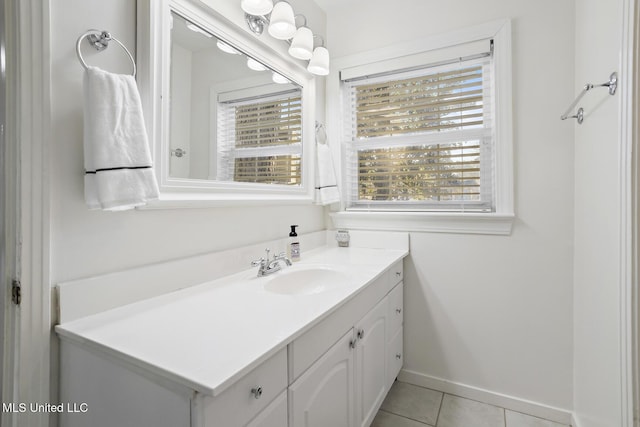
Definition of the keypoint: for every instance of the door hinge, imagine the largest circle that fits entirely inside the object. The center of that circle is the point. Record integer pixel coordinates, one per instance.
(16, 291)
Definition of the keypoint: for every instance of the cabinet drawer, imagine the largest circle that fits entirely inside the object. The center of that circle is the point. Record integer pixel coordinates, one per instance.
(395, 307)
(396, 273)
(395, 357)
(251, 394)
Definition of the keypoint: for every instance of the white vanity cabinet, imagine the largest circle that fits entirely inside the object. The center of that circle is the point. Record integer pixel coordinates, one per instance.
(334, 369)
(347, 384)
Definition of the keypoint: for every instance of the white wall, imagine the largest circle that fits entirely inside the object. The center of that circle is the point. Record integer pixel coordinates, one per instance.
(86, 243)
(493, 312)
(597, 387)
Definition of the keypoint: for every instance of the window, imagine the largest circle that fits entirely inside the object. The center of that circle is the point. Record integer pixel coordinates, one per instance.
(437, 156)
(422, 139)
(261, 140)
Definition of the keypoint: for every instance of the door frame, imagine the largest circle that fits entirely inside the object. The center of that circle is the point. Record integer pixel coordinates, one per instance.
(27, 347)
(629, 222)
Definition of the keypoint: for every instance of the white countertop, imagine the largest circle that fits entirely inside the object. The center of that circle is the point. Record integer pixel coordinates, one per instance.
(208, 336)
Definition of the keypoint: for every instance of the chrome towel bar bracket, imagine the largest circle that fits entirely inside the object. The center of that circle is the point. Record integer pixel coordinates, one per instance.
(612, 84)
(100, 41)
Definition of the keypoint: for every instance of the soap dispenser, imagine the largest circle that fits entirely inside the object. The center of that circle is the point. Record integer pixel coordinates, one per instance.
(293, 247)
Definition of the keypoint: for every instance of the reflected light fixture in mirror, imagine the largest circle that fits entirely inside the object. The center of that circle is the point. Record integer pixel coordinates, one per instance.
(255, 65)
(226, 48)
(279, 78)
(198, 30)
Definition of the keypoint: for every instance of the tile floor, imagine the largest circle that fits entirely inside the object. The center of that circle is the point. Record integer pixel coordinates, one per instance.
(408, 405)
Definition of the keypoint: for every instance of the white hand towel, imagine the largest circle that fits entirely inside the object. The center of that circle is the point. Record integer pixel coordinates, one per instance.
(117, 159)
(326, 185)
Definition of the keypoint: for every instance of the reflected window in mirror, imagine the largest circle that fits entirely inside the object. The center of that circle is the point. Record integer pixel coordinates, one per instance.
(261, 139)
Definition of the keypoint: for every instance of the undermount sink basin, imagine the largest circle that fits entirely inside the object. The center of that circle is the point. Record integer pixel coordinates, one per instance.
(305, 281)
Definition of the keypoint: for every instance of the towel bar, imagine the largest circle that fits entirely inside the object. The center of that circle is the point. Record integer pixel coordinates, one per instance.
(100, 41)
(612, 84)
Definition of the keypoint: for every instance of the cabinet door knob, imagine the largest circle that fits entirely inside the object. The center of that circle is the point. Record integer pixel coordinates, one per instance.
(398, 310)
(361, 334)
(398, 356)
(352, 344)
(398, 274)
(257, 392)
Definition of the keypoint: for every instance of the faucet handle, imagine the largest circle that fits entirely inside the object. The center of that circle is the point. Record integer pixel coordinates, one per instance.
(261, 261)
(282, 256)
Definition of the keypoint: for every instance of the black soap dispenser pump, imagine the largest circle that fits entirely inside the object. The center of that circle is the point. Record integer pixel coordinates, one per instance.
(293, 247)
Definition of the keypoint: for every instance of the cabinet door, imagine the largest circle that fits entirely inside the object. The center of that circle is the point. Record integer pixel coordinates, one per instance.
(324, 395)
(395, 315)
(395, 357)
(371, 378)
(274, 415)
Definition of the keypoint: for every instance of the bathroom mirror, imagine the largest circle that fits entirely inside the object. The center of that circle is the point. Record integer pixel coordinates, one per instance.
(231, 119)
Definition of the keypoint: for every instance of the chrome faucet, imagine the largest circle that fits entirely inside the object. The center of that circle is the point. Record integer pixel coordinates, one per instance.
(268, 266)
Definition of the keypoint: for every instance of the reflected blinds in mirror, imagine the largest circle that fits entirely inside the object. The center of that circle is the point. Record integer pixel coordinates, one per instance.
(262, 140)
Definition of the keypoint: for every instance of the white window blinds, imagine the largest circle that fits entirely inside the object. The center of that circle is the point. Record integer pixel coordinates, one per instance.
(260, 140)
(421, 139)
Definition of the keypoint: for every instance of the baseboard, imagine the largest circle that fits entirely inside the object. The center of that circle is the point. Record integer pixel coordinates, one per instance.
(481, 395)
(574, 421)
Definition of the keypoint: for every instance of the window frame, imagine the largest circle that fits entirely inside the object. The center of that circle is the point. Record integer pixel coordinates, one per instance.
(355, 145)
(501, 219)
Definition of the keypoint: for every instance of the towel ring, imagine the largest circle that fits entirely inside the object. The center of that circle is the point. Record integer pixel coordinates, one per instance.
(100, 41)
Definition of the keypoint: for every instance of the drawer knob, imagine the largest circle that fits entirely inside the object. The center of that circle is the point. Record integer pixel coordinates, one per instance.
(398, 310)
(398, 356)
(398, 274)
(257, 392)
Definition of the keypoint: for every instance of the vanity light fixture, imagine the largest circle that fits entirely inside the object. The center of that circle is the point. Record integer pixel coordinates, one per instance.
(282, 24)
(302, 42)
(257, 7)
(319, 63)
(256, 23)
(226, 48)
(255, 65)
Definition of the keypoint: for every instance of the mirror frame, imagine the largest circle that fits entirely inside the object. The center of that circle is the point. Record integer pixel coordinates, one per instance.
(154, 38)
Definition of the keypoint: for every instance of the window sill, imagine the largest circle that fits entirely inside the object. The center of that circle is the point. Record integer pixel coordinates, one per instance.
(435, 222)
